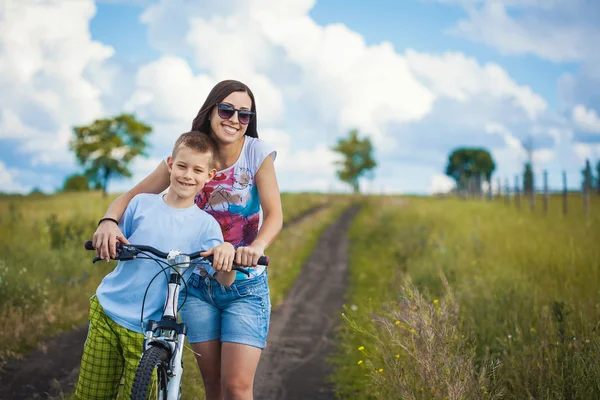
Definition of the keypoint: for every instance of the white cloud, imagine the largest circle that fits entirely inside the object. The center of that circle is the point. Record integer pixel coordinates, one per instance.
(587, 151)
(45, 51)
(511, 157)
(512, 143)
(168, 90)
(11, 126)
(441, 184)
(586, 119)
(350, 83)
(329, 70)
(313, 83)
(558, 31)
(9, 182)
(554, 30)
(460, 78)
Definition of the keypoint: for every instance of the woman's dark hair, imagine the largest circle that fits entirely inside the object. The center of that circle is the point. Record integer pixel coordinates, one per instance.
(217, 94)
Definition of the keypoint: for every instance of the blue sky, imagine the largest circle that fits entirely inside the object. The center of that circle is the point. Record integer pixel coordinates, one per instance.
(419, 77)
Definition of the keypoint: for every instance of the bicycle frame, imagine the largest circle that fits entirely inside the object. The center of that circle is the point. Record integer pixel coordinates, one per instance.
(176, 332)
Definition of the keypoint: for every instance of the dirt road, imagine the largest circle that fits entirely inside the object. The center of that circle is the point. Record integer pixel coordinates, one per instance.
(300, 337)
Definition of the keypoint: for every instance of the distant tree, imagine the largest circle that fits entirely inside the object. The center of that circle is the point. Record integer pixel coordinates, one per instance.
(528, 179)
(107, 147)
(467, 163)
(588, 176)
(76, 183)
(358, 159)
(36, 192)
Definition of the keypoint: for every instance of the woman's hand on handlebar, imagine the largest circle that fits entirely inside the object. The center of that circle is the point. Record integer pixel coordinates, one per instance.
(223, 256)
(105, 240)
(249, 255)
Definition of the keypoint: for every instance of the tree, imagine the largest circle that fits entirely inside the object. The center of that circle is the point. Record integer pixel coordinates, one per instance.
(107, 147)
(528, 180)
(588, 177)
(76, 183)
(467, 163)
(358, 159)
(36, 192)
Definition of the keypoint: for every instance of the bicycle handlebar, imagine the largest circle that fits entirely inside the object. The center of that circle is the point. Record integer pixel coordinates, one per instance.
(129, 251)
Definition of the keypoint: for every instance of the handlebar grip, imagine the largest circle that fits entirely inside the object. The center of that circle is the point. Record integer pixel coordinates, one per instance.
(263, 260)
(88, 245)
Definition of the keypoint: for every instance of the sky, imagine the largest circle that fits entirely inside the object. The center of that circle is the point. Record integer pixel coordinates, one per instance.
(420, 78)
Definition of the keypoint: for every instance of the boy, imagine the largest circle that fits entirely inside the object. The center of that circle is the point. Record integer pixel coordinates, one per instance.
(168, 222)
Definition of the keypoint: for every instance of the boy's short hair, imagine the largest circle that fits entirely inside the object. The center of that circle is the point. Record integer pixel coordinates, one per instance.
(199, 142)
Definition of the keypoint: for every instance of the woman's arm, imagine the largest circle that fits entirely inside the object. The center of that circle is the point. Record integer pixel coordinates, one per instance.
(108, 233)
(270, 200)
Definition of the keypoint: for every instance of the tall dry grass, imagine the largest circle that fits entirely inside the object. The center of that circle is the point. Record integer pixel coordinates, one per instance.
(524, 308)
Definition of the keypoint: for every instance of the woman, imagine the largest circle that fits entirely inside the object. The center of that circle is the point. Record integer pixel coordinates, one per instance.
(227, 326)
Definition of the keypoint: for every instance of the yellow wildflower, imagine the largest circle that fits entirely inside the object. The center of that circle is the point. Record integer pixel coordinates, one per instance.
(380, 370)
(397, 355)
(435, 301)
(397, 322)
(361, 348)
(360, 362)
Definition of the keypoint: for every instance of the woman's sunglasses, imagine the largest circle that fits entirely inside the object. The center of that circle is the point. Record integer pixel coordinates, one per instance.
(226, 111)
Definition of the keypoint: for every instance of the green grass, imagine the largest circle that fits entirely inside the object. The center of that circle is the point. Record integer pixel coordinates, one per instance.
(519, 314)
(46, 277)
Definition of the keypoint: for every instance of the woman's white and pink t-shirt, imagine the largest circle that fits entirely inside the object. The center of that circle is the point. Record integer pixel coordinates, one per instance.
(232, 197)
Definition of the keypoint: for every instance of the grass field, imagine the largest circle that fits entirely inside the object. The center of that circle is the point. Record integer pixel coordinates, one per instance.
(46, 277)
(448, 299)
(454, 299)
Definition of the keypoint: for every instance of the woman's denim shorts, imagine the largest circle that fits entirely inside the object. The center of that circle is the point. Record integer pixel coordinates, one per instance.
(239, 313)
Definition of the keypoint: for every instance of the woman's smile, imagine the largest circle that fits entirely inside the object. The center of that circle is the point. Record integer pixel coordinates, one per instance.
(229, 129)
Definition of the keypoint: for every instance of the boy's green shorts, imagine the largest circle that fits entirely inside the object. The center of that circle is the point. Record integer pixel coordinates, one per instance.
(111, 352)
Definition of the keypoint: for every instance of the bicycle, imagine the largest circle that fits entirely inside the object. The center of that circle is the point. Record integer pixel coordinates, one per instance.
(164, 339)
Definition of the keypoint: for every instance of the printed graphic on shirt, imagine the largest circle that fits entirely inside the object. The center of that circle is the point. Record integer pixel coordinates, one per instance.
(232, 199)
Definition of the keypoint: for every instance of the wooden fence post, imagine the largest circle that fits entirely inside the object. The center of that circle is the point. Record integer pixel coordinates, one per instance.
(517, 193)
(532, 198)
(480, 185)
(499, 188)
(564, 192)
(586, 199)
(545, 192)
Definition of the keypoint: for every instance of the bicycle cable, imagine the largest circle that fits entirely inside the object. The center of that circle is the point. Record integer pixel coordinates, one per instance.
(164, 269)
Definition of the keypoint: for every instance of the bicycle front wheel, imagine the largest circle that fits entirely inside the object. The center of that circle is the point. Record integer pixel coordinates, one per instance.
(151, 377)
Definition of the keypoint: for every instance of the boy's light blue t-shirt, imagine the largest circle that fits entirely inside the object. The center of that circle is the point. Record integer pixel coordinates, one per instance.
(148, 220)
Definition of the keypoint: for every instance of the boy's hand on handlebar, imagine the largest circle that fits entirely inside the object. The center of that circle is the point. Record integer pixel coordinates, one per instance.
(248, 255)
(223, 256)
(105, 240)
